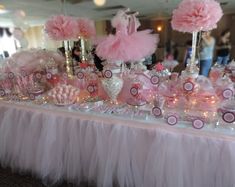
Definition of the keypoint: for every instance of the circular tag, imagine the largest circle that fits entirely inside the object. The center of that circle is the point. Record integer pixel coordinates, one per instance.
(80, 75)
(31, 96)
(65, 75)
(157, 111)
(134, 91)
(38, 75)
(172, 120)
(154, 79)
(11, 75)
(108, 74)
(23, 73)
(2, 93)
(188, 86)
(198, 123)
(49, 75)
(228, 117)
(90, 89)
(227, 93)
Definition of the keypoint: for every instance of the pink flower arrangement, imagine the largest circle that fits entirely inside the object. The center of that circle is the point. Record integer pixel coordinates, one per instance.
(85, 27)
(61, 27)
(196, 15)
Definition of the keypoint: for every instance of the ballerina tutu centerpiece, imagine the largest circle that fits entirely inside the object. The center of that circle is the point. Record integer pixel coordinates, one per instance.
(128, 44)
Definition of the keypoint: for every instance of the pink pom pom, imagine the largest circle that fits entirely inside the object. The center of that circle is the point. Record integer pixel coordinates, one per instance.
(61, 27)
(196, 15)
(86, 27)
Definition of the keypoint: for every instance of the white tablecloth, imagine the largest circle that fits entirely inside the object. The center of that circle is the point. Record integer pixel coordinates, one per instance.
(56, 144)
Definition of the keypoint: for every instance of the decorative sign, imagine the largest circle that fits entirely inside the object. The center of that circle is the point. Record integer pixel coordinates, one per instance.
(228, 117)
(198, 123)
(2, 93)
(91, 88)
(108, 74)
(227, 93)
(154, 79)
(172, 120)
(11, 75)
(134, 91)
(80, 75)
(49, 75)
(188, 86)
(157, 111)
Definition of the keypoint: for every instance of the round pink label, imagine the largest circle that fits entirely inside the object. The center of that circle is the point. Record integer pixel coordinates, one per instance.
(172, 120)
(49, 75)
(65, 75)
(108, 74)
(228, 117)
(198, 123)
(188, 86)
(90, 88)
(157, 111)
(2, 93)
(80, 75)
(134, 91)
(155, 79)
(38, 75)
(227, 93)
(23, 73)
(11, 75)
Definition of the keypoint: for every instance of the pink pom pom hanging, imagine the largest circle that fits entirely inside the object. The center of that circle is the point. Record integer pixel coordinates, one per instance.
(61, 27)
(196, 15)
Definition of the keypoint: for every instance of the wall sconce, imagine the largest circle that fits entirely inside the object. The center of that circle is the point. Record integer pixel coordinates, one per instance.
(159, 28)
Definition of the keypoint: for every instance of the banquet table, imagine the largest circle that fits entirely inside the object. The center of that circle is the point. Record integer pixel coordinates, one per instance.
(56, 143)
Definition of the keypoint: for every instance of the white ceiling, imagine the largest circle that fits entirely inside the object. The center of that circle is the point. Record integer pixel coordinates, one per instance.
(37, 11)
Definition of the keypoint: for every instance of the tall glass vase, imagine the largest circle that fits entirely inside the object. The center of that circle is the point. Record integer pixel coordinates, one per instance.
(68, 58)
(192, 69)
(192, 64)
(83, 49)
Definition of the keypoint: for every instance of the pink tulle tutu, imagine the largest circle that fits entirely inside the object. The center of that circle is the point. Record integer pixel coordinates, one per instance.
(127, 44)
(127, 47)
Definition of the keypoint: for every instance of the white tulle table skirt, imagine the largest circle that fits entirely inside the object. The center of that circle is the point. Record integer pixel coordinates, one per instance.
(57, 145)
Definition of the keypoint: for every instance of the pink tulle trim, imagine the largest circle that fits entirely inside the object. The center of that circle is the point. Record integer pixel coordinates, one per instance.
(124, 47)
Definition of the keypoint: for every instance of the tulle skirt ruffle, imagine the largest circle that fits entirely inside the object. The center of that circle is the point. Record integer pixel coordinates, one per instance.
(122, 47)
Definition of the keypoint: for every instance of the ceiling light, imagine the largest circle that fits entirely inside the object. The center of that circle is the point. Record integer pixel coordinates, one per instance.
(99, 2)
(2, 9)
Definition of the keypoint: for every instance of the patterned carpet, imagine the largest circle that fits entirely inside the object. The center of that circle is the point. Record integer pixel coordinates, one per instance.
(10, 179)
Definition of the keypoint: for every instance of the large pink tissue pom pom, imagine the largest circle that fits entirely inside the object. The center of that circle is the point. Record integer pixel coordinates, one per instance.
(86, 28)
(61, 27)
(196, 15)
